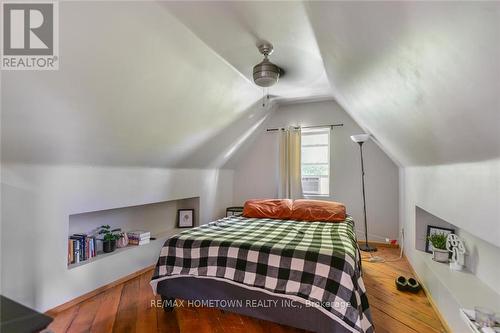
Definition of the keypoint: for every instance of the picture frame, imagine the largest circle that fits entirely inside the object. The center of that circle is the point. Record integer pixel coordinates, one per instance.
(431, 230)
(185, 218)
(234, 211)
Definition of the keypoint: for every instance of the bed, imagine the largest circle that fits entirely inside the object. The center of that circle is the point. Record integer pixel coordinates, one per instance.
(297, 273)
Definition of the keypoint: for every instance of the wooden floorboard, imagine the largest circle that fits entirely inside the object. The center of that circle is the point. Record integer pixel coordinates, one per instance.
(106, 314)
(85, 316)
(126, 316)
(127, 307)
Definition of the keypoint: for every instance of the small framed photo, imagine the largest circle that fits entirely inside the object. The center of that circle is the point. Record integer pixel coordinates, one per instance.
(185, 218)
(234, 211)
(431, 230)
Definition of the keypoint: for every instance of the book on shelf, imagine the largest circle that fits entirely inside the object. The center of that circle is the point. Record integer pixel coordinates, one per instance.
(139, 234)
(75, 250)
(138, 242)
(138, 237)
(70, 251)
(81, 247)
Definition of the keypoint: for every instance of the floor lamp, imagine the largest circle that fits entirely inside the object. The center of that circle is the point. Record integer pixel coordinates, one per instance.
(360, 139)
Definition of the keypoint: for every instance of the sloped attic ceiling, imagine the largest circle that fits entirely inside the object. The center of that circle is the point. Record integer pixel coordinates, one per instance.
(160, 84)
(135, 88)
(232, 29)
(423, 77)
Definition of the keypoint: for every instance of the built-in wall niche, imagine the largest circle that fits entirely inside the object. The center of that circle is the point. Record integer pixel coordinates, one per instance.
(477, 283)
(159, 218)
(424, 219)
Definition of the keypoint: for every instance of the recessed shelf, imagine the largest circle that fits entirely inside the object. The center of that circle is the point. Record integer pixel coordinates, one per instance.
(160, 237)
(159, 218)
(466, 287)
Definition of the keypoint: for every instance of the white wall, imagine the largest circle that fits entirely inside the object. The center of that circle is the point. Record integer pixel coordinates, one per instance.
(466, 195)
(37, 202)
(256, 172)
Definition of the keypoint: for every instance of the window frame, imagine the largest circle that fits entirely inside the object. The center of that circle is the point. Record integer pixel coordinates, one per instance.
(316, 131)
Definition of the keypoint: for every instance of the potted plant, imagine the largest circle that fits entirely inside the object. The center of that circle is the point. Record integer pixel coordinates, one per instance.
(110, 237)
(439, 250)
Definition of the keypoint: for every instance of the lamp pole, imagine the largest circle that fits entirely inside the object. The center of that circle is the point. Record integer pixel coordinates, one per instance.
(364, 247)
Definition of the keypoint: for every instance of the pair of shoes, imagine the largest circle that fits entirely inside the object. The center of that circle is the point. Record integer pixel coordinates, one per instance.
(403, 284)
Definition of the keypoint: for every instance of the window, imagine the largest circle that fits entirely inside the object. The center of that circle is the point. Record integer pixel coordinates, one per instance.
(315, 161)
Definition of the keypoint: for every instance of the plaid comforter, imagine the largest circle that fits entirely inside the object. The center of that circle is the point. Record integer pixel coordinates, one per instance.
(314, 262)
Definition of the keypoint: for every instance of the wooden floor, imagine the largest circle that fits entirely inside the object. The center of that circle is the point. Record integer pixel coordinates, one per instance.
(127, 308)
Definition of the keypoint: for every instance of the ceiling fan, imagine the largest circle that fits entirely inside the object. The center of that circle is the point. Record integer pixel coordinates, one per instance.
(265, 73)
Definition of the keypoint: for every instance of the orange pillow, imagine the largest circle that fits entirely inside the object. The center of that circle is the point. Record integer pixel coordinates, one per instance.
(268, 208)
(318, 210)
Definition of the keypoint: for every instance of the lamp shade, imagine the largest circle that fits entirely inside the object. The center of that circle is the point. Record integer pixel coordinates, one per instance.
(360, 138)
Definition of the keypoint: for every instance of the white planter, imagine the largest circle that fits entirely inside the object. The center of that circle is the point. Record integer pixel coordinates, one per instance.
(441, 255)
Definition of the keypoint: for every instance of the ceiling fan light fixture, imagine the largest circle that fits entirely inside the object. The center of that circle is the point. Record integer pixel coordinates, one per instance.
(265, 73)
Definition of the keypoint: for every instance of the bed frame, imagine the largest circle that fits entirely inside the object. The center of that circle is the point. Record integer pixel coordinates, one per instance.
(196, 289)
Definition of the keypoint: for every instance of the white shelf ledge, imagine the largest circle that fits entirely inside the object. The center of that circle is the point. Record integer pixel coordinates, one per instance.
(160, 237)
(467, 288)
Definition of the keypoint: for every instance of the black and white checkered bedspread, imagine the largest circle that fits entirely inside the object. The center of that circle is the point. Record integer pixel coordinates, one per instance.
(314, 262)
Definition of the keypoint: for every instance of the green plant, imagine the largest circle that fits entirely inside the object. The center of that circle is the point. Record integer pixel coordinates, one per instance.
(438, 241)
(110, 234)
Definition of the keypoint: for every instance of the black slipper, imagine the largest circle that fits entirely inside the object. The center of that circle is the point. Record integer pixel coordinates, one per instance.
(413, 285)
(401, 283)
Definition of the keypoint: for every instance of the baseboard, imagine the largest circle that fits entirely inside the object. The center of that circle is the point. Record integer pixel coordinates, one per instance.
(380, 244)
(429, 297)
(54, 311)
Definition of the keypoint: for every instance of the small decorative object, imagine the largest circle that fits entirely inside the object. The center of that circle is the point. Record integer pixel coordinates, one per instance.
(439, 250)
(478, 318)
(110, 237)
(455, 245)
(484, 317)
(185, 218)
(123, 241)
(234, 211)
(435, 230)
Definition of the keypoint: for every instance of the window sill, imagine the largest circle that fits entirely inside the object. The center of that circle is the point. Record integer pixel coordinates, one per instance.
(312, 196)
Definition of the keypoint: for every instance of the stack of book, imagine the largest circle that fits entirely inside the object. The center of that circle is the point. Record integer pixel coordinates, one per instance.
(138, 237)
(81, 247)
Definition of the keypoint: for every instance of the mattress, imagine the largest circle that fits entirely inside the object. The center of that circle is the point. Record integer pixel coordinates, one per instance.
(314, 263)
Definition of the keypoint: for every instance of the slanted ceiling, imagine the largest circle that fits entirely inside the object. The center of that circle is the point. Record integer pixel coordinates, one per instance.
(169, 84)
(423, 77)
(135, 88)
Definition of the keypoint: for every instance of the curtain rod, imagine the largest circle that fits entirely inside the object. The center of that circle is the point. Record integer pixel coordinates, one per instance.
(297, 127)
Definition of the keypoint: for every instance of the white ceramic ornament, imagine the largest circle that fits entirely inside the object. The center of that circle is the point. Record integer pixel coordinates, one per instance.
(456, 246)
